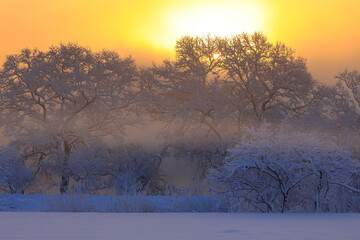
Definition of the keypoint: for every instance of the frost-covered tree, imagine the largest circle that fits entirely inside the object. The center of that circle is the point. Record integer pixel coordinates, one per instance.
(283, 170)
(50, 102)
(123, 170)
(348, 93)
(215, 83)
(270, 79)
(351, 81)
(181, 101)
(198, 58)
(335, 110)
(14, 175)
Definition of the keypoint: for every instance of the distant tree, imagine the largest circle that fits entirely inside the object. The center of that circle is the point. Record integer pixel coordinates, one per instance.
(335, 111)
(216, 82)
(344, 104)
(123, 170)
(50, 102)
(268, 79)
(217, 85)
(336, 107)
(198, 57)
(348, 91)
(189, 93)
(351, 81)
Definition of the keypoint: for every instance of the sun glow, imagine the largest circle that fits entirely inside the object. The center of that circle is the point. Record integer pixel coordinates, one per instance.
(221, 19)
(148, 30)
(217, 56)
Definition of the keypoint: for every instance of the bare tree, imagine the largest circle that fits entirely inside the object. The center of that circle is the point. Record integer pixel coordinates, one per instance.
(55, 100)
(123, 170)
(218, 81)
(270, 78)
(351, 80)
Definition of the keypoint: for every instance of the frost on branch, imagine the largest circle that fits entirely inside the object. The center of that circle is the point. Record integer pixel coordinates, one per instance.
(121, 170)
(282, 170)
(14, 175)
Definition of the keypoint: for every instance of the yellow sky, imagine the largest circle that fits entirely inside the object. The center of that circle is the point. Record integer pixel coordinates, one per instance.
(326, 32)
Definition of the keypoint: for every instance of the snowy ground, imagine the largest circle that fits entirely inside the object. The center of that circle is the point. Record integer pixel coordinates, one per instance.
(98, 203)
(173, 226)
(23, 218)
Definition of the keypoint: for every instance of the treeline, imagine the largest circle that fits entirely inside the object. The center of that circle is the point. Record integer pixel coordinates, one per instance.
(66, 114)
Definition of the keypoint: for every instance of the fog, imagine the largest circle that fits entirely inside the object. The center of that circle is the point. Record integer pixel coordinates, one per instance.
(76, 120)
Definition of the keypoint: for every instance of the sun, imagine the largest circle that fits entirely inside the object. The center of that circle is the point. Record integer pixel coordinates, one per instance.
(216, 56)
(221, 19)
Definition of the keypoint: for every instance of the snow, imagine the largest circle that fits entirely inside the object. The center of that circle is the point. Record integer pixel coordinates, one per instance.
(173, 226)
(21, 202)
(101, 203)
(22, 219)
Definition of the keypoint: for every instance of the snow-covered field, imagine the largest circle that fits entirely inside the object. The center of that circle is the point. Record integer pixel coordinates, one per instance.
(173, 226)
(100, 203)
(23, 218)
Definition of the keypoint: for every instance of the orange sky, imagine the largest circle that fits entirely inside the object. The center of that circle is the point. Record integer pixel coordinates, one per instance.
(326, 32)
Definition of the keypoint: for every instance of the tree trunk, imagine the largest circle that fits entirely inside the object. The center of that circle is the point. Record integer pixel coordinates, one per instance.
(65, 176)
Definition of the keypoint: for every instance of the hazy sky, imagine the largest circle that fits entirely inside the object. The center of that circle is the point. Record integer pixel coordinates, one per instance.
(326, 32)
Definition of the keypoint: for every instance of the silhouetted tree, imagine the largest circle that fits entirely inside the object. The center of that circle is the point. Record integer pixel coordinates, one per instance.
(251, 77)
(198, 57)
(269, 78)
(350, 81)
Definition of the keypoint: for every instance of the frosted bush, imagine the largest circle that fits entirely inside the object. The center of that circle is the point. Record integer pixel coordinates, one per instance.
(14, 176)
(282, 170)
